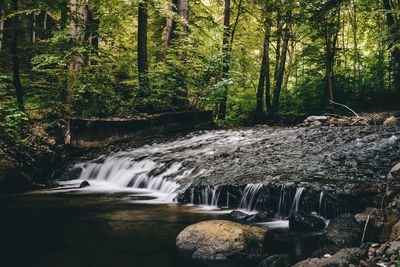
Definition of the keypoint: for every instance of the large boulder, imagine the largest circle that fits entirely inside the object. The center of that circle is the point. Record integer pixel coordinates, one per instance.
(344, 231)
(376, 222)
(221, 240)
(303, 222)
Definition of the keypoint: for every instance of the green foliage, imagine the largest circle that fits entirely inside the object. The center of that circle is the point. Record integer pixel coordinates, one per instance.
(11, 119)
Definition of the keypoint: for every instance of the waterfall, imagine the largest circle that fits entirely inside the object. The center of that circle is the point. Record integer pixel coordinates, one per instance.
(285, 199)
(320, 203)
(208, 196)
(297, 199)
(250, 196)
(125, 172)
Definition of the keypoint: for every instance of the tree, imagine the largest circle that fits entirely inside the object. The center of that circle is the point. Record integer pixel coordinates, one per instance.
(264, 77)
(281, 71)
(392, 24)
(15, 56)
(142, 49)
(2, 21)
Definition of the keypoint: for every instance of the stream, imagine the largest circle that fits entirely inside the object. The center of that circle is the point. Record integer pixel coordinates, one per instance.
(140, 198)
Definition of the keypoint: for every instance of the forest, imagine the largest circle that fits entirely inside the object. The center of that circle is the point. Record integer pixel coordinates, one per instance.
(247, 61)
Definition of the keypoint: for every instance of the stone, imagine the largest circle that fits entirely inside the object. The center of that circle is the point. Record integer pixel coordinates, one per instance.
(344, 257)
(84, 184)
(279, 260)
(307, 262)
(321, 119)
(344, 231)
(221, 240)
(237, 215)
(303, 222)
(391, 121)
(395, 233)
(327, 255)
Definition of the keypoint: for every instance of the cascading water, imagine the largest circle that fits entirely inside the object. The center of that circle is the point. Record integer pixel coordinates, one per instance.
(297, 200)
(250, 196)
(208, 196)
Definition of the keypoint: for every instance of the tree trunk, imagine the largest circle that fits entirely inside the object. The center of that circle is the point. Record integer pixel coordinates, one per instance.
(264, 78)
(278, 45)
(391, 21)
(79, 15)
(279, 78)
(184, 14)
(142, 49)
(171, 25)
(15, 56)
(64, 14)
(2, 20)
(225, 57)
(290, 64)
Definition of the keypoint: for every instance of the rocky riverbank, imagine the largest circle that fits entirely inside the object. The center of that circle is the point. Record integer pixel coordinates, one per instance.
(369, 238)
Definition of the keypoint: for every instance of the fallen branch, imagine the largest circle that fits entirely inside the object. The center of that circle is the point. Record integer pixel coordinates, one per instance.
(342, 105)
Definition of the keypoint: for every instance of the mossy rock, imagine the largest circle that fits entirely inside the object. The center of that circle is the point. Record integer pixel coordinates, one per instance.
(221, 240)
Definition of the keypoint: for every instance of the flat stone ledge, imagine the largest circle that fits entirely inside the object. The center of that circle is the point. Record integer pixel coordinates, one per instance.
(101, 132)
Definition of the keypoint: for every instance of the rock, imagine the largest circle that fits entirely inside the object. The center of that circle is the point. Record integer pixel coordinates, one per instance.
(391, 121)
(220, 240)
(84, 184)
(344, 257)
(321, 119)
(237, 215)
(376, 223)
(344, 231)
(302, 222)
(395, 233)
(327, 255)
(280, 260)
(307, 263)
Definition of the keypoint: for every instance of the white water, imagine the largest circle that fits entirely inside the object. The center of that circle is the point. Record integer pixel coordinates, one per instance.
(297, 199)
(250, 197)
(160, 166)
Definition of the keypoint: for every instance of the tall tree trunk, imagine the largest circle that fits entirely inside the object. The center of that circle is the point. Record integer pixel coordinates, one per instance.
(330, 53)
(79, 15)
(142, 49)
(290, 64)
(78, 9)
(184, 14)
(278, 44)
(279, 78)
(225, 57)
(264, 78)
(392, 21)
(2, 20)
(64, 14)
(15, 56)
(171, 24)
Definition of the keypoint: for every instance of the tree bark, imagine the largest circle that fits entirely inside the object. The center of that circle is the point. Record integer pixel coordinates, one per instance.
(392, 21)
(278, 44)
(64, 14)
(79, 15)
(2, 20)
(290, 64)
(15, 57)
(142, 49)
(264, 78)
(225, 57)
(184, 14)
(171, 24)
(279, 78)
